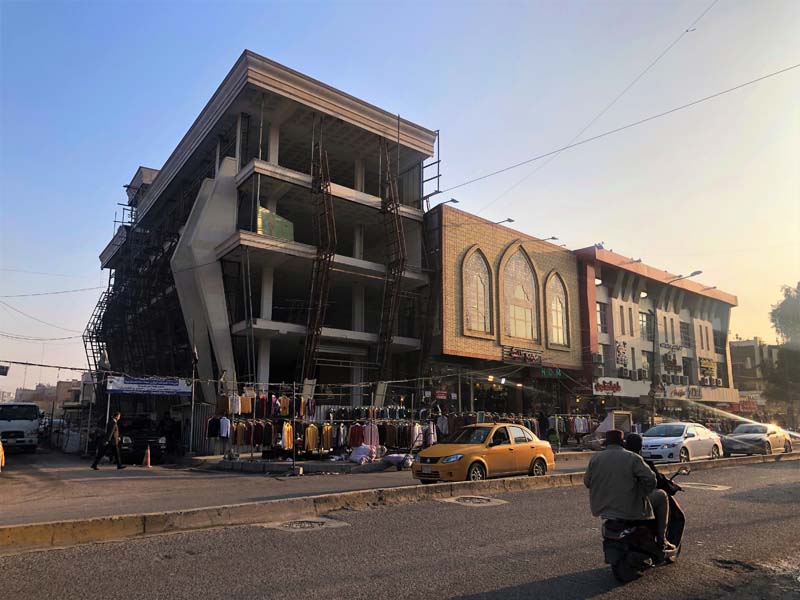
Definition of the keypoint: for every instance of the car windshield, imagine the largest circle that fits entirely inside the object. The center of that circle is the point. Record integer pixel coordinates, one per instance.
(665, 430)
(19, 412)
(472, 435)
(750, 429)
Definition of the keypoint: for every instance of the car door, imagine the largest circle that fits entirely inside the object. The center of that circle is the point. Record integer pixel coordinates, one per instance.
(500, 453)
(524, 449)
(693, 443)
(774, 437)
(704, 434)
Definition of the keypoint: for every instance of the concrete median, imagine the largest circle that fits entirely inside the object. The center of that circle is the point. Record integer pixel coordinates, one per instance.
(37, 536)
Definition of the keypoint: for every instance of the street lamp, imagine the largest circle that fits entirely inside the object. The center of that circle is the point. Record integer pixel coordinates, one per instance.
(508, 220)
(552, 237)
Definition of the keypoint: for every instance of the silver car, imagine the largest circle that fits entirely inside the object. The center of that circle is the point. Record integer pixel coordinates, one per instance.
(680, 442)
(755, 438)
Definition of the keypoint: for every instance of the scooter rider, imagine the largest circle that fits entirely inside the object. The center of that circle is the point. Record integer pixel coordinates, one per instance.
(659, 499)
(620, 484)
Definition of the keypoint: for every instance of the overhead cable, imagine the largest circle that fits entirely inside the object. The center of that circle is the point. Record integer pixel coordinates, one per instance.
(624, 127)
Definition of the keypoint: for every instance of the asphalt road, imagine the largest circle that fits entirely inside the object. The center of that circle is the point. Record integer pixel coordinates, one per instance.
(51, 486)
(741, 542)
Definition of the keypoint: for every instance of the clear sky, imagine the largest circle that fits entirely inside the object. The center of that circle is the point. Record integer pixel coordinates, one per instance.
(92, 90)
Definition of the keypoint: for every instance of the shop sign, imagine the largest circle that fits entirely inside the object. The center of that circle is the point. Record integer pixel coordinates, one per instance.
(748, 406)
(522, 355)
(550, 372)
(607, 387)
(671, 347)
(166, 386)
(695, 392)
(708, 367)
(622, 353)
(678, 391)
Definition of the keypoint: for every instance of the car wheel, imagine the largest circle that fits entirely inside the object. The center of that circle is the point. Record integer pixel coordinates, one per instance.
(714, 452)
(767, 448)
(787, 447)
(684, 455)
(476, 472)
(428, 481)
(538, 468)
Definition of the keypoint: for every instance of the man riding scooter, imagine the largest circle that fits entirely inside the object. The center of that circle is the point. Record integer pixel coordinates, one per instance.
(623, 487)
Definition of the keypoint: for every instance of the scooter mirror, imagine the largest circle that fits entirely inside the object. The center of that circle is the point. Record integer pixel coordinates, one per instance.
(684, 470)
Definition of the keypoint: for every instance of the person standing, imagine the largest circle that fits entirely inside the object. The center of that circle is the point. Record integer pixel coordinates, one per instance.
(111, 438)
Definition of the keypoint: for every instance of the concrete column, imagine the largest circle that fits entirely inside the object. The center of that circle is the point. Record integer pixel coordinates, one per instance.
(267, 285)
(274, 143)
(358, 241)
(356, 376)
(358, 314)
(264, 347)
(238, 142)
(360, 175)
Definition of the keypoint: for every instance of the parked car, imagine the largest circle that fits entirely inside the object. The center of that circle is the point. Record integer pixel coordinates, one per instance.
(680, 442)
(136, 434)
(485, 450)
(755, 438)
(19, 425)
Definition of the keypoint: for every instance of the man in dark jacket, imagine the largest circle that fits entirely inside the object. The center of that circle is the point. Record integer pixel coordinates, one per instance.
(111, 438)
(659, 499)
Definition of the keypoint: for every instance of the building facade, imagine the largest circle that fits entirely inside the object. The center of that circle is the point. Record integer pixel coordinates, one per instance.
(506, 329)
(751, 362)
(653, 340)
(282, 239)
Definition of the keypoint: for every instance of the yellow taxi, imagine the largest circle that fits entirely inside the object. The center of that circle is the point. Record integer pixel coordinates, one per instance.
(484, 450)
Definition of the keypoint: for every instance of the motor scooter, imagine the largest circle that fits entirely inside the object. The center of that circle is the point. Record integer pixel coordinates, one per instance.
(631, 547)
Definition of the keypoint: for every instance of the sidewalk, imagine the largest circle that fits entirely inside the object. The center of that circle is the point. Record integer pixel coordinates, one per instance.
(50, 486)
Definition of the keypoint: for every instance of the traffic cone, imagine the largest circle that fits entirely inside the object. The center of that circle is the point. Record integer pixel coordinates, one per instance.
(146, 463)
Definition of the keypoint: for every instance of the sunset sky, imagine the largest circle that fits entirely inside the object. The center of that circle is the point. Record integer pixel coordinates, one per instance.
(90, 91)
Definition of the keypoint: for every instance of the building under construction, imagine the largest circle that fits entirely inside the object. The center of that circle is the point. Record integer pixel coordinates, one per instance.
(282, 239)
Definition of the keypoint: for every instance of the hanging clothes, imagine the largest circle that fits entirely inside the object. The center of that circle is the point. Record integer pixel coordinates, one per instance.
(288, 436)
(246, 405)
(356, 437)
(224, 427)
(311, 438)
(326, 437)
(284, 404)
(370, 434)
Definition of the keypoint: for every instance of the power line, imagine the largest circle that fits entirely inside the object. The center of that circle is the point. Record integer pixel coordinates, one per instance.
(7, 305)
(623, 128)
(29, 338)
(599, 115)
(28, 364)
(43, 273)
(99, 287)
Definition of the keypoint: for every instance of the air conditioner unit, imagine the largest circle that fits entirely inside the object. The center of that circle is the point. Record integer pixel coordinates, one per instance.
(719, 382)
(634, 375)
(624, 373)
(706, 381)
(685, 380)
(597, 371)
(642, 374)
(676, 379)
(597, 358)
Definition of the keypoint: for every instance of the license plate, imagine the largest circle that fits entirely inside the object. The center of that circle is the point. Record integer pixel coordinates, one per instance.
(427, 470)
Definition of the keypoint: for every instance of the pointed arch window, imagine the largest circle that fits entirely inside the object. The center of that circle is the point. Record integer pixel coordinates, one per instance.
(477, 289)
(558, 311)
(519, 294)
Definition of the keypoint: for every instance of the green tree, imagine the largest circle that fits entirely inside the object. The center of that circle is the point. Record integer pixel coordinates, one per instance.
(785, 316)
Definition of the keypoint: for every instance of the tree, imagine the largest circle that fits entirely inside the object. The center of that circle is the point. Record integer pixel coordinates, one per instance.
(785, 316)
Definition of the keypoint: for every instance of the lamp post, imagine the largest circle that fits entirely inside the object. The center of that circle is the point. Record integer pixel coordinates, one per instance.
(507, 220)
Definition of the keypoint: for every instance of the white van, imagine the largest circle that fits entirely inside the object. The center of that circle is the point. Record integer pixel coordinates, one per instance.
(19, 425)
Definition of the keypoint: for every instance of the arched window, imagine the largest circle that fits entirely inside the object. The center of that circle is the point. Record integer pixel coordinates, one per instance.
(557, 306)
(477, 289)
(519, 297)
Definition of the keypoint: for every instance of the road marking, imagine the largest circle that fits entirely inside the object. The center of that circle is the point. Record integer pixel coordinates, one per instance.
(706, 486)
(474, 501)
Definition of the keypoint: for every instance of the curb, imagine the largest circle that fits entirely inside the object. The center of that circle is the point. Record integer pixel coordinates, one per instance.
(38, 536)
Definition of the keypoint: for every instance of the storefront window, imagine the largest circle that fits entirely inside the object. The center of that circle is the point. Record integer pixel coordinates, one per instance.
(477, 294)
(519, 292)
(557, 298)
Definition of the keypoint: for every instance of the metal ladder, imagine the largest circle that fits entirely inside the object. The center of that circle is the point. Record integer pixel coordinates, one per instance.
(325, 230)
(396, 258)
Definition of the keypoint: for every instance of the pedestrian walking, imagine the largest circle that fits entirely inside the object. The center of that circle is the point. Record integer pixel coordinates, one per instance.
(110, 439)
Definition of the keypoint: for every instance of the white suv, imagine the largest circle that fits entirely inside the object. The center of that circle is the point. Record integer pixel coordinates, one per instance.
(680, 442)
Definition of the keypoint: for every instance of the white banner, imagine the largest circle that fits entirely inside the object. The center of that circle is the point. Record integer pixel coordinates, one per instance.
(149, 385)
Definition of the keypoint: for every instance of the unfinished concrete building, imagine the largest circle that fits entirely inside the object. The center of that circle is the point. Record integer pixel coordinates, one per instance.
(282, 238)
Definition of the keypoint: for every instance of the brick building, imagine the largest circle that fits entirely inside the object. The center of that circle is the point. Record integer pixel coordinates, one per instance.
(505, 333)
